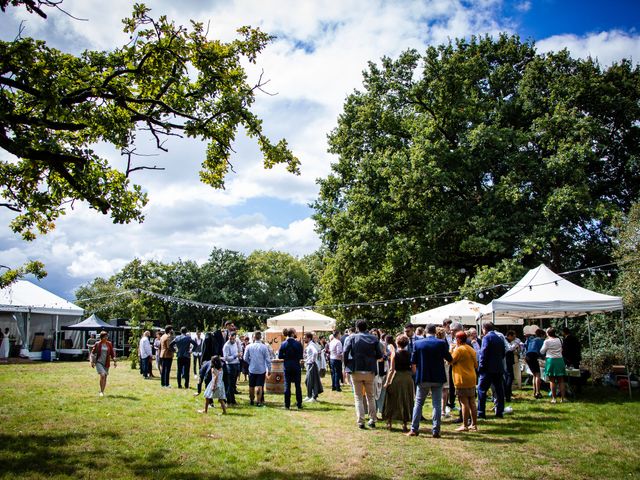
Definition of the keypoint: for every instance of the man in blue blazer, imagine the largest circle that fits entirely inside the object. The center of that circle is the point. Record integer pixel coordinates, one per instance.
(491, 370)
(291, 352)
(427, 363)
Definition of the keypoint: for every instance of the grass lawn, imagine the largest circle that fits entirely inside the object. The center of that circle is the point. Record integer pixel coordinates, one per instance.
(54, 425)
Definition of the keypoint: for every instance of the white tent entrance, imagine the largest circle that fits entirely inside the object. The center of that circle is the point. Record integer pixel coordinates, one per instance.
(541, 293)
(464, 311)
(34, 315)
(303, 320)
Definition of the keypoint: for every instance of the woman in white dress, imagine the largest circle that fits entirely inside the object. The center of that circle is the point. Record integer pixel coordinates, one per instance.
(215, 389)
(4, 345)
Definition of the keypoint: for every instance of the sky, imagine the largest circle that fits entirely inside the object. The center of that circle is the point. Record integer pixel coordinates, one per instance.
(317, 59)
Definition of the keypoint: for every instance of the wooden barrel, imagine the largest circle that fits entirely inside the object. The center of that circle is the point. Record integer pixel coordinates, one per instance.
(275, 379)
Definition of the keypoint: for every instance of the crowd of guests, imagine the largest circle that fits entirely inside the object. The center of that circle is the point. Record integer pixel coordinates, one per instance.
(391, 376)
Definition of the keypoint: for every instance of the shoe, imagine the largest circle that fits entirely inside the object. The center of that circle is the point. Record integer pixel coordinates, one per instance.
(435, 434)
(457, 420)
(446, 415)
(286, 408)
(101, 394)
(553, 400)
(447, 411)
(299, 407)
(371, 424)
(473, 427)
(499, 416)
(251, 403)
(307, 400)
(411, 433)
(361, 426)
(508, 410)
(461, 428)
(313, 400)
(180, 386)
(482, 416)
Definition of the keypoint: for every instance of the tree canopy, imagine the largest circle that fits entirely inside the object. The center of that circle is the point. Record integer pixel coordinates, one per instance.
(475, 152)
(168, 81)
(262, 279)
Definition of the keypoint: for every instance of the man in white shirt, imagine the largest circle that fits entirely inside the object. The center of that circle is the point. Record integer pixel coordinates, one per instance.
(335, 361)
(144, 349)
(259, 359)
(231, 354)
(311, 361)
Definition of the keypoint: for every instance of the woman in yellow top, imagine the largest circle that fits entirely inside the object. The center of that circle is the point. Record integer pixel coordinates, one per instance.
(464, 366)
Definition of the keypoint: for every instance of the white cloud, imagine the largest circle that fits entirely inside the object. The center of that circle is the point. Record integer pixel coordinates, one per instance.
(607, 47)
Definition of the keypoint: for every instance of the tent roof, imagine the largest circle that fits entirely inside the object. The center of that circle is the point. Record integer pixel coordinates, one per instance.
(92, 323)
(24, 296)
(303, 319)
(542, 293)
(464, 311)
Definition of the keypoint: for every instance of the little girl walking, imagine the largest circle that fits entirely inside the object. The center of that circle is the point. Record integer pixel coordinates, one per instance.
(215, 389)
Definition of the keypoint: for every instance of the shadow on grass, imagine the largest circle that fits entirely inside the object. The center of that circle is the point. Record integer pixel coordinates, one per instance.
(24, 455)
(124, 397)
(270, 474)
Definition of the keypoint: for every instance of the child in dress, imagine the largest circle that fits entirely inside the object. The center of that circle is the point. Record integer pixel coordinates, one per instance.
(215, 389)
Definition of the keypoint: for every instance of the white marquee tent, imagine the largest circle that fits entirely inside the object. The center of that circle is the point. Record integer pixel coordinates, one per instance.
(27, 309)
(302, 319)
(463, 311)
(541, 293)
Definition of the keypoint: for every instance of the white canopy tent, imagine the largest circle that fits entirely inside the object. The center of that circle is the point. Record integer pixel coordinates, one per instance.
(541, 293)
(303, 320)
(28, 309)
(463, 311)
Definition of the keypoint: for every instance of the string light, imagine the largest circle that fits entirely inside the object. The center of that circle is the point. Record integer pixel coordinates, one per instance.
(262, 311)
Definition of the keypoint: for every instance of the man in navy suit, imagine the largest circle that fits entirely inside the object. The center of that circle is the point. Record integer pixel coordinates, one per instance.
(491, 370)
(291, 352)
(427, 363)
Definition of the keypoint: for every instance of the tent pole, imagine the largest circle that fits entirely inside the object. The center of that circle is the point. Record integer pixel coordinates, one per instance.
(626, 352)
(590, 346)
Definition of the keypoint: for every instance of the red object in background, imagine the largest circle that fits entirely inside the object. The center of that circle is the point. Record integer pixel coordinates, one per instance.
(623, 384)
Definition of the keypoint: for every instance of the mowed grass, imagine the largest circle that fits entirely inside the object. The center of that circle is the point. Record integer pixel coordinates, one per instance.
(54, 425)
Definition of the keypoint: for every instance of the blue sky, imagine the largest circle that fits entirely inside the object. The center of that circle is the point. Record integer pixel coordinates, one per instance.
(316, 61)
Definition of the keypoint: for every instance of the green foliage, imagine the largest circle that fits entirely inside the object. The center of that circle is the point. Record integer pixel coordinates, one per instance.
(473, 153)
(278, 279)
(502, 275)
(33, 267)
(269, 279)
(168, 80)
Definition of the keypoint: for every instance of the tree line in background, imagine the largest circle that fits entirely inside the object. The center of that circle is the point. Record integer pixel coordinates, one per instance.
(263, 278)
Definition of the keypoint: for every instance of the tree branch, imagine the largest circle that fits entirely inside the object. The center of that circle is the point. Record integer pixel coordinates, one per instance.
(10, 82)
(32, 154)
(25, 120)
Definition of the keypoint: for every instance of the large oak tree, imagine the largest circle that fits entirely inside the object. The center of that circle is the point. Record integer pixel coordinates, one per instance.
(472, 153)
